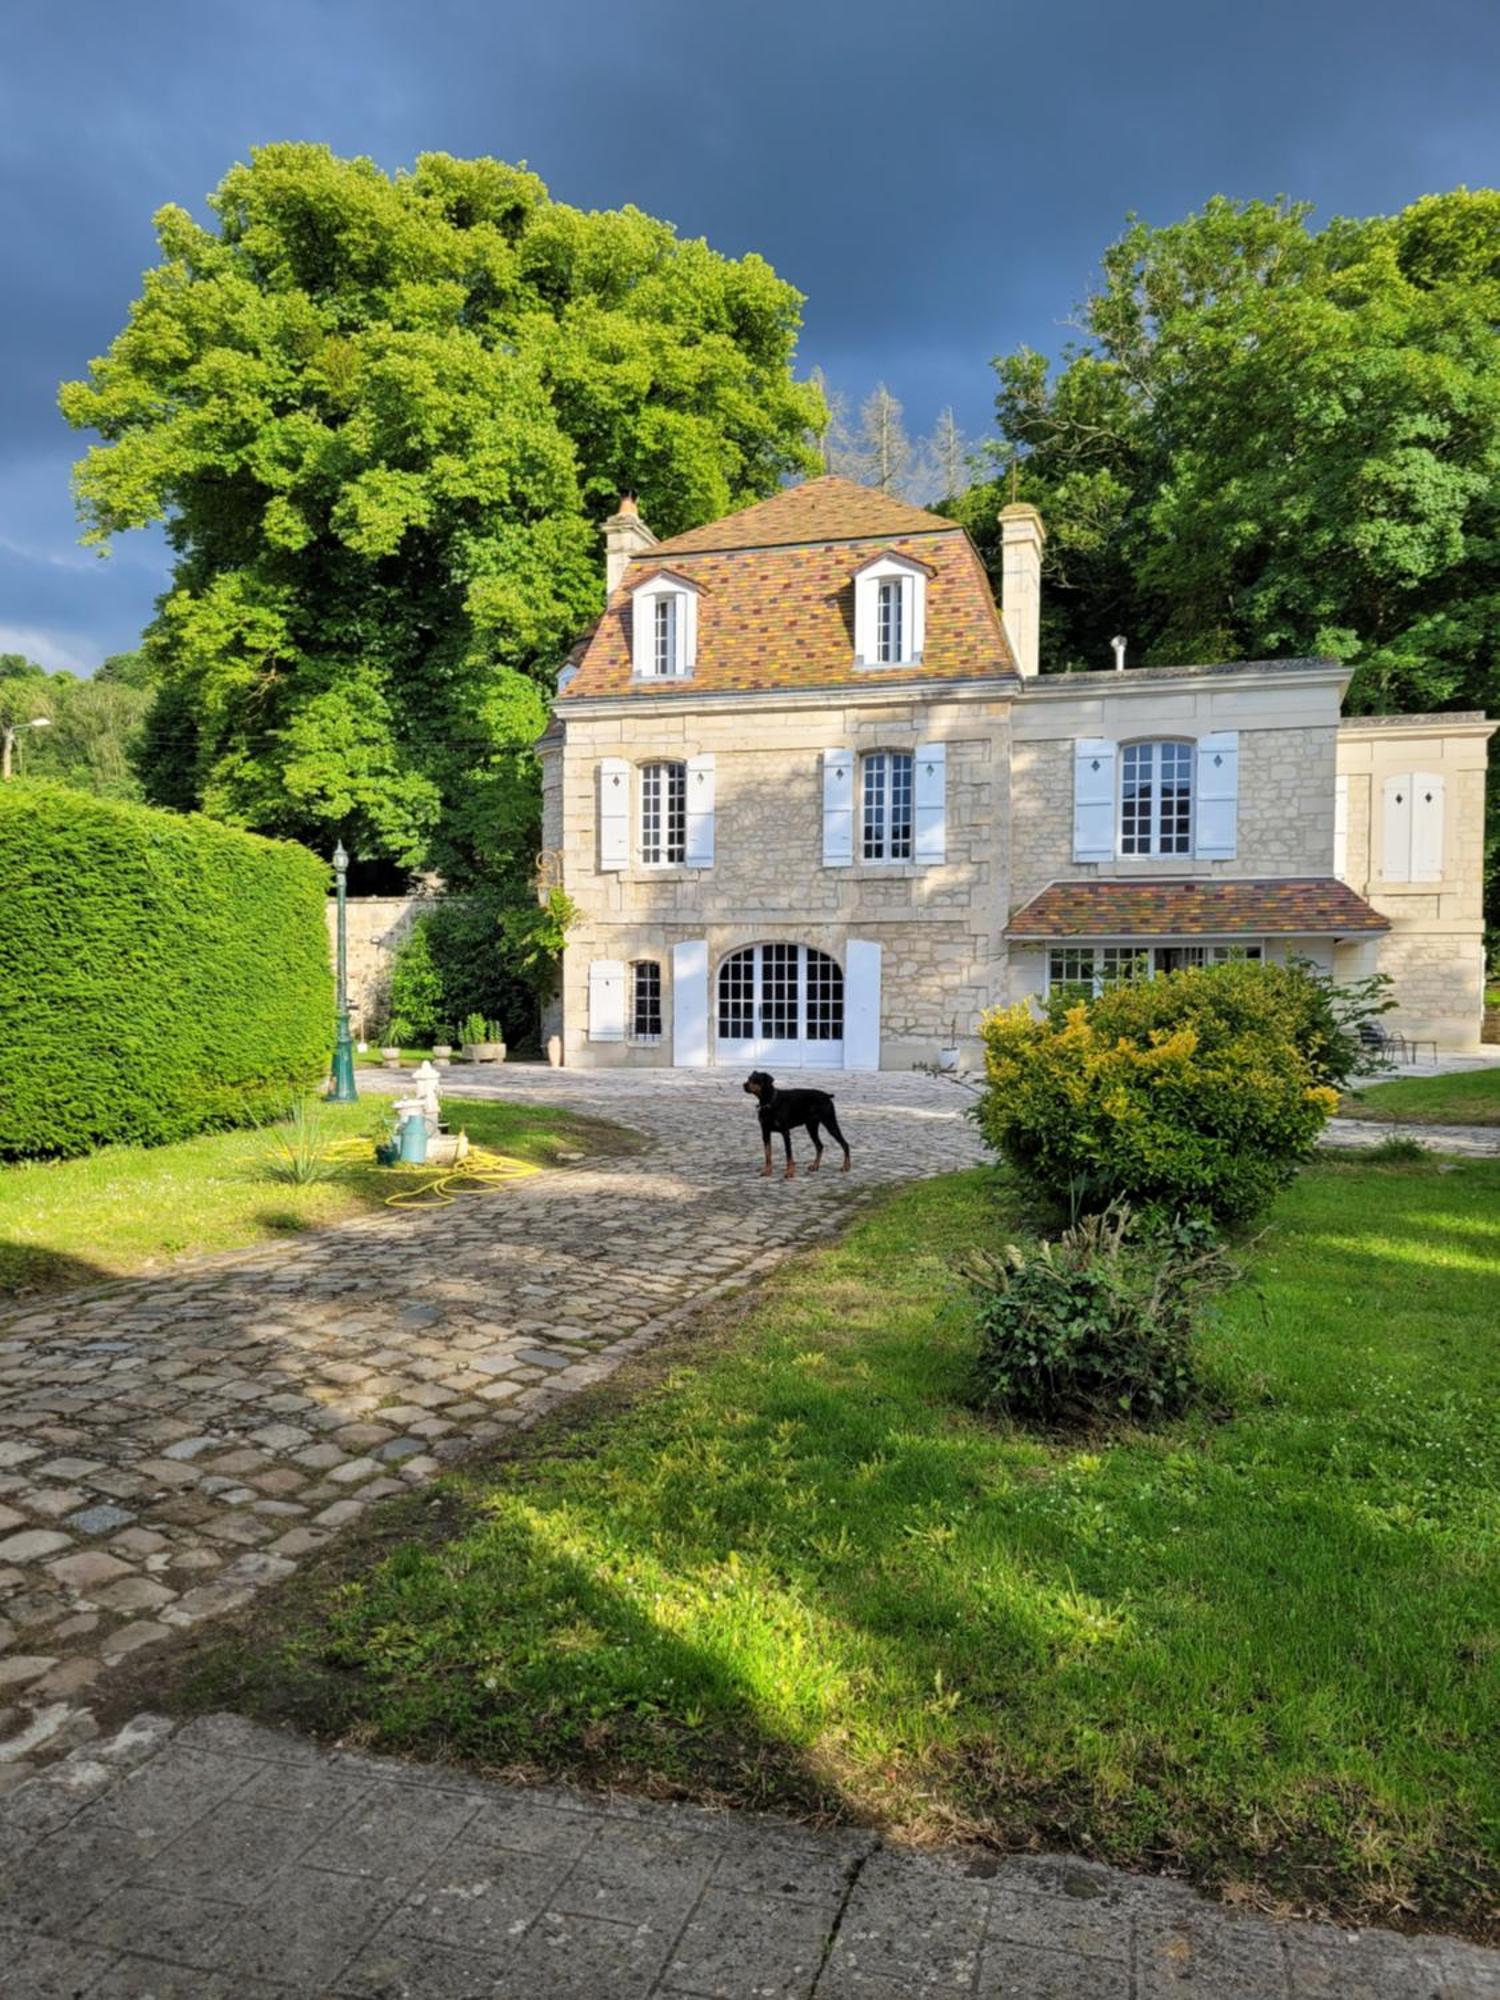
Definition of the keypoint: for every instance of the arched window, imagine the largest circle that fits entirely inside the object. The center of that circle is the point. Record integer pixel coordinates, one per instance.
(1156, 798)
(663, 814)
(783, 1002)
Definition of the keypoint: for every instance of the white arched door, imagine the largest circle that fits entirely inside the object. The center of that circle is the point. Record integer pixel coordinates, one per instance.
(780, 1004)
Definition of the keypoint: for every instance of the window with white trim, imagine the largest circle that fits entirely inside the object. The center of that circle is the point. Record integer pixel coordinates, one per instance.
(664, 629)
(664, 634)
(1082, 971)
(1156, 798)
(663, 814)
(890, 620)
(886, 801)
(645, 1000)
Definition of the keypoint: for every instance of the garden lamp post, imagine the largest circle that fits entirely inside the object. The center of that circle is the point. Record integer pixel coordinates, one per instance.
(343, 1091)
(8, 739)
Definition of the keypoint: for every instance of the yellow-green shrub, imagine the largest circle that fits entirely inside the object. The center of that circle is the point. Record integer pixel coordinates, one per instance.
(1192, 1093)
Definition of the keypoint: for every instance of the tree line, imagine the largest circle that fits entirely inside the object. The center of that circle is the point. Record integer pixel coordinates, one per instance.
(384, 415)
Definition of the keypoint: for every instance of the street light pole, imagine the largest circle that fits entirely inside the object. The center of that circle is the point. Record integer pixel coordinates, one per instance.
(8, 737)
(343, 1091)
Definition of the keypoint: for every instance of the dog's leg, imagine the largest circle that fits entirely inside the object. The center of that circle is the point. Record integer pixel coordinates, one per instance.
(812, 1133)
(791, 1164)
(767, 1168)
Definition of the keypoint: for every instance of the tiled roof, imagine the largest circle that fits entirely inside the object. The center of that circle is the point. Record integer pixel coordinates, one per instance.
(823, 510)
(783, 616)
(1305, 906)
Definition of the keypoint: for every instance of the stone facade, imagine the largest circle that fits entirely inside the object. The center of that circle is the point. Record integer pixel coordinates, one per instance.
(375, 927)
(1434, 951)
(747, 707)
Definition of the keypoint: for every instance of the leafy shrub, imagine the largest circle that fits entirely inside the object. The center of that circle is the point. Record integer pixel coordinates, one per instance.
(1097, 1325)
(160, 974)
(1196, 1094)
(416, 996)
(301, 1151)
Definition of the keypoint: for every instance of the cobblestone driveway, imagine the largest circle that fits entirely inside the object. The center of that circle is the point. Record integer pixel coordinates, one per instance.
(169, 1444)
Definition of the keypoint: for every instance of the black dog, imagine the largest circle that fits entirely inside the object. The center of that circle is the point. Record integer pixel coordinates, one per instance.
(783, 1110)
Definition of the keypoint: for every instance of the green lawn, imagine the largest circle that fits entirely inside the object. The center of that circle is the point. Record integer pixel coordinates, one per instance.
(1470, 1097)
(781, 1566)
(134, 1208)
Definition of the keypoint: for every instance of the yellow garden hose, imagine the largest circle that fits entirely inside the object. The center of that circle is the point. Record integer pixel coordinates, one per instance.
(481, 1171)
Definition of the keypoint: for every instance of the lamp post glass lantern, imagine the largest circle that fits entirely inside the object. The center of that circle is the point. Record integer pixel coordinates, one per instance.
(343, 1091)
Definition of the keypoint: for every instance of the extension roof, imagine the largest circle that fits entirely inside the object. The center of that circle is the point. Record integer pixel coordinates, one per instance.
(1302, 906)
(777, 604)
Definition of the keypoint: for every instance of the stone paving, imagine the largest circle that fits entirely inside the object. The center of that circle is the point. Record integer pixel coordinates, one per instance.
(1475, 1142)
(170, 1444)
(222, 1861)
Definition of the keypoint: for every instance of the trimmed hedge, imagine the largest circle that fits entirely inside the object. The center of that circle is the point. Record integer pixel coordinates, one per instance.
(160, 974)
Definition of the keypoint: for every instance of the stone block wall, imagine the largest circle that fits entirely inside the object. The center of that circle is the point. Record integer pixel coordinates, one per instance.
(375, 927)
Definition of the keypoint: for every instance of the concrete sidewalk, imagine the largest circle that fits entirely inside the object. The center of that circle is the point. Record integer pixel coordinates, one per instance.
(221, 1861)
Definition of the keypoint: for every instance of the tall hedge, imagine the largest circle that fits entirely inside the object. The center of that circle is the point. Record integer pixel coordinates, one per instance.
(160, 974)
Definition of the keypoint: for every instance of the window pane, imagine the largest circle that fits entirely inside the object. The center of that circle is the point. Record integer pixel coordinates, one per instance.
(876, 819)
(646, 1025)
(737, 997)
(890, 638)
(1070, 972)
(1135, 799)
(1119, 962)
(779, 991)
(665, 656)
(663, 813)
(825, 999)
(1176, 832)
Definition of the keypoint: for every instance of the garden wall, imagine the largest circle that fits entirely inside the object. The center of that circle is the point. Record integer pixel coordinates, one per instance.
(160, 974)
(376, 926)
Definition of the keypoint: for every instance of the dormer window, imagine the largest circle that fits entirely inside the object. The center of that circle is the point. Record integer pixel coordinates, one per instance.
(890, 611)
(664, 619)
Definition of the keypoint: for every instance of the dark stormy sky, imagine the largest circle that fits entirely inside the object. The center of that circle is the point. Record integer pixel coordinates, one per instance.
(938, 179)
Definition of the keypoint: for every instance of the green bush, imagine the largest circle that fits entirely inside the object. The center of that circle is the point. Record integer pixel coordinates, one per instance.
(416, 1001)
(1096, 1326)
(1194, 1094)
(160, 974)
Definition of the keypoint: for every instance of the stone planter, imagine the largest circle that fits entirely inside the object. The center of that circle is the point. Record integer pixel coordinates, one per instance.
(947, 1059)
(442, 1054)
(482, 1052)
(391, 1058)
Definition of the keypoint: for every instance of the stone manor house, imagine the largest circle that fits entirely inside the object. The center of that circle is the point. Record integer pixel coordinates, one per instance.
(818, 808)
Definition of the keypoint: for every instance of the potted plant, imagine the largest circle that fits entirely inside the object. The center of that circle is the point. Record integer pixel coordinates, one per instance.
(947, 1058)
(482, 1040)
(387, 1141)
(389, 1044)
(442, 1048)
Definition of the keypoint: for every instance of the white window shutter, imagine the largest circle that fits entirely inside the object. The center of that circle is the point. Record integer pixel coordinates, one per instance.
(606, 1000)
(690, 1004)
(862, 1005)
(614, 813)
(930, 797)
(1216, 808)
(866, 599)
(1341, 827)
(700, 811)
(1426, 827)
(1093, 799)
(1395, 827)
(838, 808)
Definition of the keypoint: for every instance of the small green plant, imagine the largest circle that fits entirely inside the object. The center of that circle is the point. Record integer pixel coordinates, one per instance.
(301, 1151)
(1096, 1325)
(1396, 1151)
(475, 1029)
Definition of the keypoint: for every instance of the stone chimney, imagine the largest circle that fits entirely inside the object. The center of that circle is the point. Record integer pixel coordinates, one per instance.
(1021, 539)
(625, 535)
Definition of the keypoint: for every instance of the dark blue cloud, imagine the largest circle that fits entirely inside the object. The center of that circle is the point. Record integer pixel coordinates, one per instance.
(939, 180)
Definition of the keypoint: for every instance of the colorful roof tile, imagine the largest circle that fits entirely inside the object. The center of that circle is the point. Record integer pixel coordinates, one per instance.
(777, 604)
(1301, 906)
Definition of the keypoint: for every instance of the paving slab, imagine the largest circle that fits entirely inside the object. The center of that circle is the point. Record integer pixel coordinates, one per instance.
(173, 1443)
(218, 1860)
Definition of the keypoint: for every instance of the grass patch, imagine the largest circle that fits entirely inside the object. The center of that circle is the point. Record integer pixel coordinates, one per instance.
(785, 1567)
(129, 1209)
(1469, 1097)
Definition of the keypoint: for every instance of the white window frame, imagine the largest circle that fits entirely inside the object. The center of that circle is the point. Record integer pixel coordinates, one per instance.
(1152, 748)
(912, 579)
(645, 997)
(679, 601)
(1107, 957)
(662, 815)
(893, 773)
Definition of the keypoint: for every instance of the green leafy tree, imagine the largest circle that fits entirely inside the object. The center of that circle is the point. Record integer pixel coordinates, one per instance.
(1272, 440)
(95, 727)
(382, 418)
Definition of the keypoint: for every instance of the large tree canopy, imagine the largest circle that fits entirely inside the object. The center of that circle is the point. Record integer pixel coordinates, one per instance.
(382, 418)
(1272, 440)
